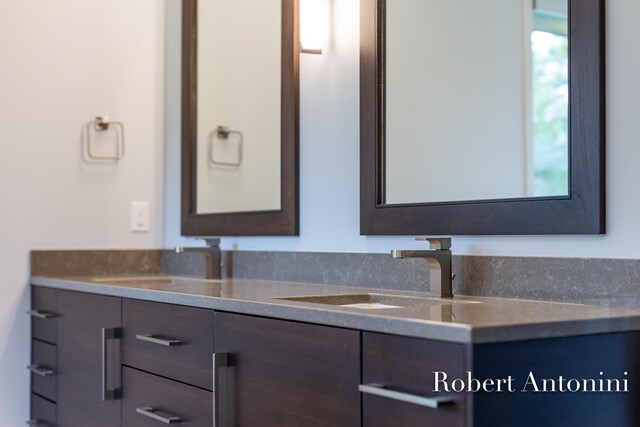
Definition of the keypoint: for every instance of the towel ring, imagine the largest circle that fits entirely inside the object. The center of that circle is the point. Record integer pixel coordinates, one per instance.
(223, 133)
(102, 124)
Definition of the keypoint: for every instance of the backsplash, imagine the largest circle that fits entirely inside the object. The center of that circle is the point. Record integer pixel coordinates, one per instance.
(95, 262)
(614, 282)
(595, 281)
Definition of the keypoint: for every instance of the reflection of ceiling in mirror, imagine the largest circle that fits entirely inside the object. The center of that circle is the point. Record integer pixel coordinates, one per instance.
(462, 103)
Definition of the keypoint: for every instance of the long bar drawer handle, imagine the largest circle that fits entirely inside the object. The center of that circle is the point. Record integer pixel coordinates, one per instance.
(220, 360)
(429, 402)
(148, 411)
(36, 423)
(109, 393)
(41, 371)
(41, 314)
(167, 342)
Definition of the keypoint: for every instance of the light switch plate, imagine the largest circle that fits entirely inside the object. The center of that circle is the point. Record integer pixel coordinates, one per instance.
(140, 217)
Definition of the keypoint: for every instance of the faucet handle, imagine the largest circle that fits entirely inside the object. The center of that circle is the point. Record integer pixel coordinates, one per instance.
(437, 243)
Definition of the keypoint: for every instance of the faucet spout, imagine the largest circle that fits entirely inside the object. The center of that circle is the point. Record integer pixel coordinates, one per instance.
(211, 255)
(439, 261)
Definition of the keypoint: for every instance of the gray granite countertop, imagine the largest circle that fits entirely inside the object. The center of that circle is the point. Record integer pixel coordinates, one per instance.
(462, 319)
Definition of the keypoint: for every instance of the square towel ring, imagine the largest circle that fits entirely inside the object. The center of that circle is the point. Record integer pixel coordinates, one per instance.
(223, 133)
(102, 124)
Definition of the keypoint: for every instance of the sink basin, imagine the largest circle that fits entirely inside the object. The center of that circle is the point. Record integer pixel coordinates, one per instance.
(373, 301)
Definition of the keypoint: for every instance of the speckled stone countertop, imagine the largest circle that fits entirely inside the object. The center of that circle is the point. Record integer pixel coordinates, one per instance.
(461, 320)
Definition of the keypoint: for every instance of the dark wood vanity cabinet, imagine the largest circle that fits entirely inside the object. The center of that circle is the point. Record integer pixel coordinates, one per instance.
(150, 400)
(43, 365)
(286, 374)
(124, 362)
(590, 357)
(405, 366)
(167, 364)
(88, 354)
(168, 340)
(104, 361)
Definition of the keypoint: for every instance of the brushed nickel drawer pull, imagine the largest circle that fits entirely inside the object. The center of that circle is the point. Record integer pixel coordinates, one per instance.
(428, 402)
(220, 360)
(36, 423)
(159, 340)
(41, 370)
(41, 314)
(148, 411)
(109, 334)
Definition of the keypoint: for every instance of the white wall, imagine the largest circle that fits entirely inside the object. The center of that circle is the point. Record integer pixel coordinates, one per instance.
(456, 81)
(63, 62)
(329, 155)
(235, 38)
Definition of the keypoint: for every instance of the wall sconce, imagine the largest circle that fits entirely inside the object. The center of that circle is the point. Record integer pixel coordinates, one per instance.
(314, 24)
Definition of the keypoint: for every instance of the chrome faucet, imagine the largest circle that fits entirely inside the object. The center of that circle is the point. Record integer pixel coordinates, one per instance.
(211, 255)
(439, 260)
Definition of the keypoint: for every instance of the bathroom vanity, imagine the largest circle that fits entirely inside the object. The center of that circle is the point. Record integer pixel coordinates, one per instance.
(143, 351)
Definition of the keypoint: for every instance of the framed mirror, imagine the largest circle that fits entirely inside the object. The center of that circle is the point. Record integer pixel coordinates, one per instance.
(482, 117)
(240, 107)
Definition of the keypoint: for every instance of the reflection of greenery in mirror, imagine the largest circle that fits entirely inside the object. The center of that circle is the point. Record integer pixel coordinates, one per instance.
(550, 84)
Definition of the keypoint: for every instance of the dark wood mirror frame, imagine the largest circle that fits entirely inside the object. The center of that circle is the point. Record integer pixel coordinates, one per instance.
(283, 222)
(582, 212)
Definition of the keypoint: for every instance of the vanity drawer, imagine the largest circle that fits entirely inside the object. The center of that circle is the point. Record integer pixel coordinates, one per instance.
(406, 365)
(43, 412)
(169, 340)
(146, 396)
(43, 314)
(43, 369)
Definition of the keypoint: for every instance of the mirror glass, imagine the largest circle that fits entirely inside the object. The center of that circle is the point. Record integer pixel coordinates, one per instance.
(476, 96)
(239, 53)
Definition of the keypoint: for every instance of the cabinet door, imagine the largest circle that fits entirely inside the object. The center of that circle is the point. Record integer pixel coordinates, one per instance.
(286, 374)
(83, 330)
(398, 382)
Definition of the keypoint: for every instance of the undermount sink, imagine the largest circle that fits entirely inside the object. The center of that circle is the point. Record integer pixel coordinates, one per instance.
(373, 301)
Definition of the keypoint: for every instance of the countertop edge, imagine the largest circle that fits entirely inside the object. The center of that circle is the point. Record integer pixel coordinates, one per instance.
(439, 331)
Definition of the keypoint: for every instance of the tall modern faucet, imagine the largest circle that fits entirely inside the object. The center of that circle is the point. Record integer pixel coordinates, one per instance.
(439, 260)
(211, 255)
